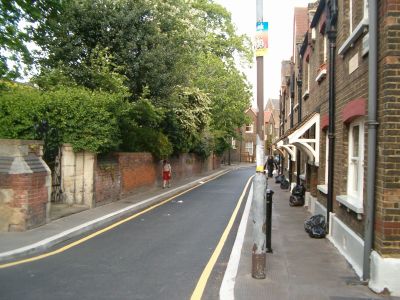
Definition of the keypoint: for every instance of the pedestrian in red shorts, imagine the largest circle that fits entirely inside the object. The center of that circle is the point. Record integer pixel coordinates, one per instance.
(166, 173)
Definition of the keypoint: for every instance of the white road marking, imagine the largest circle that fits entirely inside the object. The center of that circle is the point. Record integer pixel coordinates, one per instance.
(227, 289)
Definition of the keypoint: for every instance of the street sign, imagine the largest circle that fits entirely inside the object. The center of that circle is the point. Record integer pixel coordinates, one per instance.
(261, 38)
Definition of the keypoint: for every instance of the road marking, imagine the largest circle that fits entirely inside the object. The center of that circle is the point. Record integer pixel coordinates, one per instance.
(227, 289)
(201, 284)
(82, 240)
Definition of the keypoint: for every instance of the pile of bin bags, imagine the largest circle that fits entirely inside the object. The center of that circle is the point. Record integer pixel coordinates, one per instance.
(297, 197)
(315, 226)
(283, 181)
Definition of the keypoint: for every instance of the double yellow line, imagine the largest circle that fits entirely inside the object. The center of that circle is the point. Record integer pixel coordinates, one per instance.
(80, 241)
(201, 284)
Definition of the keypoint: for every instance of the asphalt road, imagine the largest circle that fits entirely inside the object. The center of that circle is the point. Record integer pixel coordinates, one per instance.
(158, 255)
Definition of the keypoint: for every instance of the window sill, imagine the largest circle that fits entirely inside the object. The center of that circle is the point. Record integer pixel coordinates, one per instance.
(323, 188)
(354, 36)
(306, 94)
(349, 202)
(321, 76)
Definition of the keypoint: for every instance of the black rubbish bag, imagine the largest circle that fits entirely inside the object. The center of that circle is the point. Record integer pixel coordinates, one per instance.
(295, 200)
(317, 232)
(299, 190)
(284, 184)
(279, 178)
(315, 226)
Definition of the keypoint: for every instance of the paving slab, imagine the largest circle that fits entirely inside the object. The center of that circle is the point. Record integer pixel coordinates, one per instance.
(300, 267)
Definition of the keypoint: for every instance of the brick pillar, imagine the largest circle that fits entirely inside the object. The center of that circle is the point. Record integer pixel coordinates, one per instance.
(25, 185)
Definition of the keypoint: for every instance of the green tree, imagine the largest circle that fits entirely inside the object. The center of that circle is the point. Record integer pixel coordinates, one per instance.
(14, 35)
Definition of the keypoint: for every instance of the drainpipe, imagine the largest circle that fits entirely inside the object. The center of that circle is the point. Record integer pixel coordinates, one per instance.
(331, 7)
(372, 128)
(299, 91)
(291, 123)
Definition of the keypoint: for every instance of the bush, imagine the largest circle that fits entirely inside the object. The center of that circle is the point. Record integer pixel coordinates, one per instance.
(86, 119)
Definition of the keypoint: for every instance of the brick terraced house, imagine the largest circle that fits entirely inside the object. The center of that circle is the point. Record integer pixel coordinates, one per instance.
(340, 128)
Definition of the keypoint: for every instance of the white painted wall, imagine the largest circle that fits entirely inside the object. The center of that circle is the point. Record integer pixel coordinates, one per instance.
(385, 273)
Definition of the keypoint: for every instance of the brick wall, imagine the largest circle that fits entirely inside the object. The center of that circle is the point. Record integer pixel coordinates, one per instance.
(24, 186)
(120, 174)
(137, 170)
(387, 221)
(107, 180)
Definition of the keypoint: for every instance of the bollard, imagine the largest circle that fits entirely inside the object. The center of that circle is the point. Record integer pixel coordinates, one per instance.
(268, 232)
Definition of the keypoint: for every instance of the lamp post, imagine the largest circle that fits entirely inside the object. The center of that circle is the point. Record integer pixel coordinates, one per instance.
(259, 181)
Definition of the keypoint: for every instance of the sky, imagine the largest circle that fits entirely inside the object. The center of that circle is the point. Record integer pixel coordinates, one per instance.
(279, 15)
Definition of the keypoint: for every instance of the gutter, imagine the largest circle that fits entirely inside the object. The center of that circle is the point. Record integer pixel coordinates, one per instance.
(372, 128)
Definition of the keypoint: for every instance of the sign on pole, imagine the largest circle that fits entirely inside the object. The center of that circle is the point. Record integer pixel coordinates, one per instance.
(261, 38)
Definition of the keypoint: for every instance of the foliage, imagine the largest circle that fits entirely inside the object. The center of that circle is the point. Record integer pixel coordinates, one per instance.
(187, 116)
(97, 74)
(14, 36)
(228, 90)
(139, 125)
(176, 61)
(75, 115)
(152, 42)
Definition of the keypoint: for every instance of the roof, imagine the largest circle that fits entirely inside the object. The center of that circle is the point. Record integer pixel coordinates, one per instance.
(267, 116)
(252, 109)
(298, 125)
(300, 23)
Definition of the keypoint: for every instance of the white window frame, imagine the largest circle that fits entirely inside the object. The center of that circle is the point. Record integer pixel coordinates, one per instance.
(325, 58)
(355, 189)
(248, 149)
(365, 14)
(326, 158)
(350, 16)
(251, 126)
(233, 143)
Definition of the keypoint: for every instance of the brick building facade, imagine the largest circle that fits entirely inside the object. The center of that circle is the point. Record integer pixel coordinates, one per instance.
(325, 97)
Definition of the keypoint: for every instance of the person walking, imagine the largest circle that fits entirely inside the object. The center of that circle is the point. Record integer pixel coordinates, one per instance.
(166, 173)
(270, 165)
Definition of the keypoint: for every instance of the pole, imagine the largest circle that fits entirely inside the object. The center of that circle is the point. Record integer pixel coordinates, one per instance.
(259, 181)
(332, 15)
(299, 92)
(372, 128)
(268, 232)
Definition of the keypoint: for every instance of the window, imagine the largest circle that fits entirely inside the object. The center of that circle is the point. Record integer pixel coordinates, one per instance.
(326, 158)
(357, 20)
(249, 128)
(356, 14)
(233, 143)
(355, 176)
(325, 57)
(249, 148)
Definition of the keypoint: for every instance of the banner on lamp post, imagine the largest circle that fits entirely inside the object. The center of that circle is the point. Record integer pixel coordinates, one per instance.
(261, 38)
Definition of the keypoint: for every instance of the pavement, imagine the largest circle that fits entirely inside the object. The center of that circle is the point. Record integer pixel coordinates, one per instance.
(299, 267)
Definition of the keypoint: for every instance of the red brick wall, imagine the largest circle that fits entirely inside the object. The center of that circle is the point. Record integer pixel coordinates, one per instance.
(107, 186)
(27, 206)
(137, 170)
(123, 173)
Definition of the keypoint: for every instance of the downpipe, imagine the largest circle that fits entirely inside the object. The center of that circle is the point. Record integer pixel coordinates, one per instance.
(372, 128)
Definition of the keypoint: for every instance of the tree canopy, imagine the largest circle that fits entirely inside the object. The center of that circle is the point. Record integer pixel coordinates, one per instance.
(172, 61)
